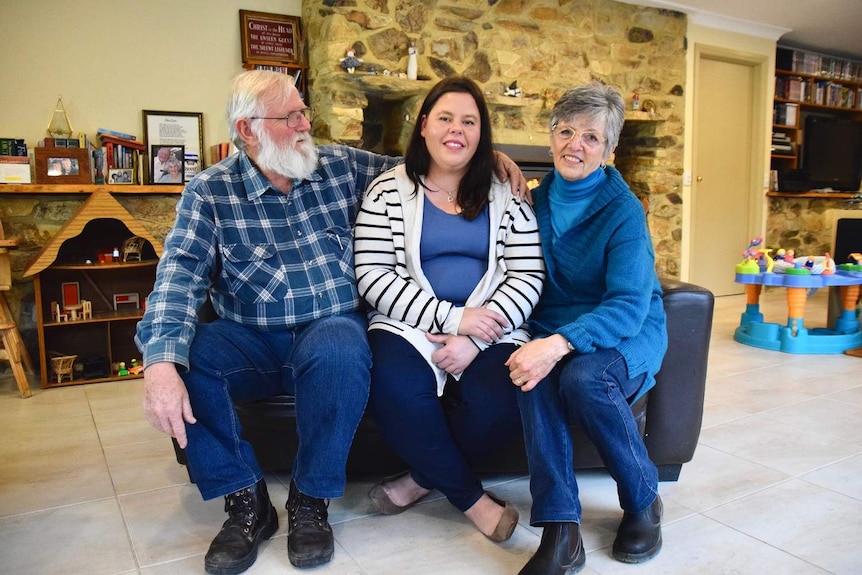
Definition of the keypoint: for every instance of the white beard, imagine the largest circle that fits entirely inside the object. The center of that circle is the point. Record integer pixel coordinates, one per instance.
(297, 159)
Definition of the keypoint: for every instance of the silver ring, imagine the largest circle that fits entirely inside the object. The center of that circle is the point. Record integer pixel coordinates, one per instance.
(519, 381)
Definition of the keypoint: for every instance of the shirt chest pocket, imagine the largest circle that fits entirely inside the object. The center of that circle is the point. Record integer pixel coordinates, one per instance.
(254, 273)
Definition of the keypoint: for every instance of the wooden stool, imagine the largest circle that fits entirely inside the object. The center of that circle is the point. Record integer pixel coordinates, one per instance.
(13, 349)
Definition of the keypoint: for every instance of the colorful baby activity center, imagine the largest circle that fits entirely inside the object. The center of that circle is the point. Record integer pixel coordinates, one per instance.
(799, 276)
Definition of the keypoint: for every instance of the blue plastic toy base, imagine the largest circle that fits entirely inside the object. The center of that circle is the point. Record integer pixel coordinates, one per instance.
(777, 337)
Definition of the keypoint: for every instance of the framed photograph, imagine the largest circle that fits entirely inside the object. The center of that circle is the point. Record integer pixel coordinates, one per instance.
(167, 165)
(120, 176)
(270, 37)
(176, 129)
(62, 166)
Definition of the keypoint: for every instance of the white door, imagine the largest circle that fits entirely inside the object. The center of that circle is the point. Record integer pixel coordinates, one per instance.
(723, 163)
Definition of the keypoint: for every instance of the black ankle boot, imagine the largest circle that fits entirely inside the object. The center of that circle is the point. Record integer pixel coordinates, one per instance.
(309, 535)
(561, 551)
(251, 518)
(639, 535)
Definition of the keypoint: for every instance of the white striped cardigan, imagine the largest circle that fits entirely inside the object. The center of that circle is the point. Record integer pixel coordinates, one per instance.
(390, 277)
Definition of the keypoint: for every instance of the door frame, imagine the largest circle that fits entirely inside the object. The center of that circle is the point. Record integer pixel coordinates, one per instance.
(761, 130)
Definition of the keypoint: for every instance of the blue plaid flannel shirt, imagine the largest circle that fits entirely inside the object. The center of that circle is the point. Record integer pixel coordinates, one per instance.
(268, 260)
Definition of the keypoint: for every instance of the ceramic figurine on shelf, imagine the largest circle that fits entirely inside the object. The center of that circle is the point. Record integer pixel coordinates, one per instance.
(350, 62)
(412, 64)
(513, 90)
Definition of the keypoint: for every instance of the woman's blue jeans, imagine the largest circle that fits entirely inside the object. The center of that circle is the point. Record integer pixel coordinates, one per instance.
(324, 364)
(590, 390)
(441, 438)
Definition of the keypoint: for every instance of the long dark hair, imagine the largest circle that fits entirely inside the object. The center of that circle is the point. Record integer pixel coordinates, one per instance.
(474, 186)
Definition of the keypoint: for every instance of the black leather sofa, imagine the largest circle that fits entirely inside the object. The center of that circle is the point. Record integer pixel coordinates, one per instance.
(669, 416)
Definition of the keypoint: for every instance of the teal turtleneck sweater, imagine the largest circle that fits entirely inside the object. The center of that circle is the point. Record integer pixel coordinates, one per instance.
(601, 291)
(570, 199)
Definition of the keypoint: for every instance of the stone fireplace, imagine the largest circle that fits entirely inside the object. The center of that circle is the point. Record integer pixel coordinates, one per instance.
(540, 47)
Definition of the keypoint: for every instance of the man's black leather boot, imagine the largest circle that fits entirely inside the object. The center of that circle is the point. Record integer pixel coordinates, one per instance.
(251, 519)
(639, 535)
(561, 551)
(309, 535)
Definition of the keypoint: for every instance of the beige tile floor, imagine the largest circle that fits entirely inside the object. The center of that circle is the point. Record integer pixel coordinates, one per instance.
(87, 487)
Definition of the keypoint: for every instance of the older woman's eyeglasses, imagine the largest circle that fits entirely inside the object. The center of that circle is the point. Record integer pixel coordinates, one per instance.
(589, 138)
(293, 119)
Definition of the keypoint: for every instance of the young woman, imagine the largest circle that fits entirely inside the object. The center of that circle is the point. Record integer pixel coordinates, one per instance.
(450, 262)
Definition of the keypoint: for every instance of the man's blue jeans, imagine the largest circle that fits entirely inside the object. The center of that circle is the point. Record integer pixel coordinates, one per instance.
(324, 364)
(590, 390)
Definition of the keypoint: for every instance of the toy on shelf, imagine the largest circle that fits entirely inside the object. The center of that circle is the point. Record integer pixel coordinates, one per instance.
(135, 368)
(799, 276)
(350, 62)
(62, 365)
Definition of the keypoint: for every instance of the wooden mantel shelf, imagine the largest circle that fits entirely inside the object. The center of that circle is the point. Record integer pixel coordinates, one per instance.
(87, 189)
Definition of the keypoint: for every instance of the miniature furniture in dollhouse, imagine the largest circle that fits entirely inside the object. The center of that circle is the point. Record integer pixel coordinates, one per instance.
(132, 249)
(13, 349)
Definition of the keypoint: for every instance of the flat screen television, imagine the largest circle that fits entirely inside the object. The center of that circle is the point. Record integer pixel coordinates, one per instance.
(832, 152)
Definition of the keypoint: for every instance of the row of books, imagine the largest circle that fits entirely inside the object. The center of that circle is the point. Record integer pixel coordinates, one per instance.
(122, 151)
(828, 93)
(785, 114)
(219, 152)
(818, 65)
(12, 147)
(823, 93)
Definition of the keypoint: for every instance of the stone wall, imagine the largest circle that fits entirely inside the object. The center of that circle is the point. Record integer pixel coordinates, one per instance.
(546, 46)
(807, 224)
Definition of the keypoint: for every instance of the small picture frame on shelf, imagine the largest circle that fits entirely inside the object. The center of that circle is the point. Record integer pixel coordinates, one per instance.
(167, 164)
(62, 166)
(120, 176)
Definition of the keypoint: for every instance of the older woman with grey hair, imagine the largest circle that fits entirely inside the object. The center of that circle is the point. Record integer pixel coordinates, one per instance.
(598, 337)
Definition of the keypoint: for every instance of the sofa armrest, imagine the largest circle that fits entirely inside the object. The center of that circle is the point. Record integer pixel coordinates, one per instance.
(675, 407)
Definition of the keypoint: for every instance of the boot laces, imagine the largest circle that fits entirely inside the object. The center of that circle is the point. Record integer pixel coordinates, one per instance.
(306, 510)
(240, 509)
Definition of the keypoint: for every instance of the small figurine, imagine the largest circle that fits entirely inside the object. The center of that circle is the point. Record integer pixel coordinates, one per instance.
(350, 62)
(135, 368)
(122, 371)
(828, 265)
(412, 64)
(636, 101)
(513, 90)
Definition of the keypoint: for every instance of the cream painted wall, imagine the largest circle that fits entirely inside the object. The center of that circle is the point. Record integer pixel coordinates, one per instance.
(718, 40)
(111, 60)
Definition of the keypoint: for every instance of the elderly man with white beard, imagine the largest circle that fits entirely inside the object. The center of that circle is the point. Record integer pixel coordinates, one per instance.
(267, 234)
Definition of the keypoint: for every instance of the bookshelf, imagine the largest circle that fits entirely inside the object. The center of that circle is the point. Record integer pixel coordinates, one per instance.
(808, 82)
(284, 68)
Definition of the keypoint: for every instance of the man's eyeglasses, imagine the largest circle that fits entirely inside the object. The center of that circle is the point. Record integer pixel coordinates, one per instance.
(589, 138)
(293, 119)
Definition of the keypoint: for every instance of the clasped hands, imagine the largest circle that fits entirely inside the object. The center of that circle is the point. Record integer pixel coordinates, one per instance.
(457, 352)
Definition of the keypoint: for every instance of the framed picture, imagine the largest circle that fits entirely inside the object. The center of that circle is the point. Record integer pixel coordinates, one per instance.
(62, 166)
(120, 176)
(167, 165)
(270, 37)
(175, 129)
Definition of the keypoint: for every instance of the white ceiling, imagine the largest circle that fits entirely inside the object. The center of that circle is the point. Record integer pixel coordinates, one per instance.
(828, 26)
